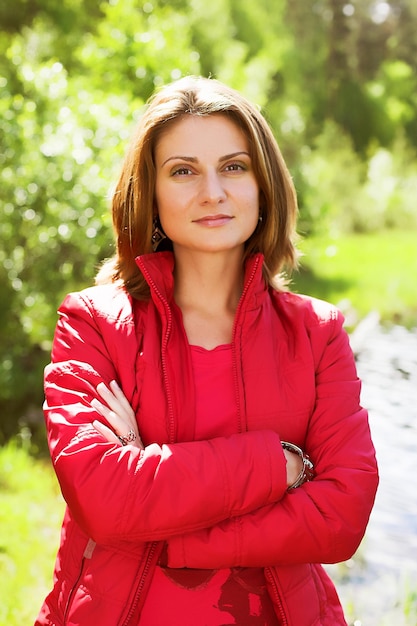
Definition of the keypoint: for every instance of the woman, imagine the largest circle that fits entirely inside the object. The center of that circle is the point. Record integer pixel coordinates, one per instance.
(176, 382)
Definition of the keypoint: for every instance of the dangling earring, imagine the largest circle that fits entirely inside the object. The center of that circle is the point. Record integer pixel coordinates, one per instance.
(158, 234)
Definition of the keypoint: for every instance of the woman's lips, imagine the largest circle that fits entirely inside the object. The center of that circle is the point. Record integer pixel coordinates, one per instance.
(214, 220)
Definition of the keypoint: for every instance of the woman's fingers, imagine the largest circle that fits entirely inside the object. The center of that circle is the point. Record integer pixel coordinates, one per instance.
(111, 416)
(124, 403)
(117, 403)
(113, 437)
(118, 414)
(106, 432)
(119, 426)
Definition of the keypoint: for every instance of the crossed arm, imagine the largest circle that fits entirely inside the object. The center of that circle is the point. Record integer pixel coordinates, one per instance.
(120, 415)
(293, 530)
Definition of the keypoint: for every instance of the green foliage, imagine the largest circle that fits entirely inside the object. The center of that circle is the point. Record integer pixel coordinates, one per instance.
(332, 177)
(394, 96)
(124, 55)
(54, 220)
(390, 189)
(341, 193)
(337, 82)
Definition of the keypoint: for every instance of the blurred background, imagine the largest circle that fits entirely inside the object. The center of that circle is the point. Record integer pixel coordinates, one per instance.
(337, 81)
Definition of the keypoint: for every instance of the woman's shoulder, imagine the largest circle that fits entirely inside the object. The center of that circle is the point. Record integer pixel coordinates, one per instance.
(109, 301)
(312, 310)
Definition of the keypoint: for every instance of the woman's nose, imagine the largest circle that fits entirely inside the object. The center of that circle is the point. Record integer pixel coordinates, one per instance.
(212, 190)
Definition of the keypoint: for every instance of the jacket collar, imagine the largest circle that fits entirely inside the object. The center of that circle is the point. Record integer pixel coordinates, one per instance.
(158, 271)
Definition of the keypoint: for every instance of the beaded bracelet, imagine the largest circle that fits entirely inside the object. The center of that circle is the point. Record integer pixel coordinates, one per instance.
(307, 472)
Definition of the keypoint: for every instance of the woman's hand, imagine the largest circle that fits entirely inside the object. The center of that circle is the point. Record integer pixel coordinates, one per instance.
(294, 466)
(119, 414)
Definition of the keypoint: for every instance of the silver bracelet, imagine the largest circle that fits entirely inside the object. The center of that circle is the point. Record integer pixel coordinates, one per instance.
(307, 472)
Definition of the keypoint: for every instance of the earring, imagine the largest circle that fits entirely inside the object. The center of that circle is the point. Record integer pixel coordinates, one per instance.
(158, 234)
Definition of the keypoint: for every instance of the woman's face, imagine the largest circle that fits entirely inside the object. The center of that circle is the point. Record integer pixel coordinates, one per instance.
(207, 195)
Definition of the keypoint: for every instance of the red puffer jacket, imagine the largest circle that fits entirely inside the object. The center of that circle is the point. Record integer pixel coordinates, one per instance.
(212, 504)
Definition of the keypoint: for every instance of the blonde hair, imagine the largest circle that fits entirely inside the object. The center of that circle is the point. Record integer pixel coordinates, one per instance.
(133, 204)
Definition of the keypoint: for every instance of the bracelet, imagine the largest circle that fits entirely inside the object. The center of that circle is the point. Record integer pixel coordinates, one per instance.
(307, 472)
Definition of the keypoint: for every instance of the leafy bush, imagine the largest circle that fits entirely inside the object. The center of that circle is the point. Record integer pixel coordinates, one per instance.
(332, 176)
(54, 222)
(342, 193)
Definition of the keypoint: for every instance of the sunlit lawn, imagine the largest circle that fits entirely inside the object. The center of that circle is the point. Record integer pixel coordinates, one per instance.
(363, 272)
(31, 510)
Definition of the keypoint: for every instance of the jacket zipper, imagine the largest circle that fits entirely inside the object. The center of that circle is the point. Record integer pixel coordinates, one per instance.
(268, 573)
(73, 590)
(235, 324)
(277, 598)
(171, 423)
(145, 573)
(88, 553)
(171, 436)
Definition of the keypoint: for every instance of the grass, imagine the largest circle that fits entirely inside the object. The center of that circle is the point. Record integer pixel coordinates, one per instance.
(31, 510)
(363, 273)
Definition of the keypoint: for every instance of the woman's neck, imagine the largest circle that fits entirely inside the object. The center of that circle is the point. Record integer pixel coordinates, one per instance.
(207, 290)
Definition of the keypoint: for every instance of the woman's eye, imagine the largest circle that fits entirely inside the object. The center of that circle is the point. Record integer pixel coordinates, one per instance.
(235, 167)
(181, 171)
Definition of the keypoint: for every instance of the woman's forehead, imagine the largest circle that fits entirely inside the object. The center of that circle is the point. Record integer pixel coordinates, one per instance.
(202, 135)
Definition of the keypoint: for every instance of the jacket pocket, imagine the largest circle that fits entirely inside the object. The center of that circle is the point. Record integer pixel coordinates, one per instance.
(295, 594)
(331, 610)
(88, 553)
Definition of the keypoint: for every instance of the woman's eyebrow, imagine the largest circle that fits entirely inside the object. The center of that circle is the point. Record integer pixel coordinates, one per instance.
(190, 159)
(180, 157)
(233, 155)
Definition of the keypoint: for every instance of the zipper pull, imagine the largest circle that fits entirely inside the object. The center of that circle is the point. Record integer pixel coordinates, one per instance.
(89, 549)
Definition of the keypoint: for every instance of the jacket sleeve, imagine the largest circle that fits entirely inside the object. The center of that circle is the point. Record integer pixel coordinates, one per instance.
(324, 520)
(120, 493)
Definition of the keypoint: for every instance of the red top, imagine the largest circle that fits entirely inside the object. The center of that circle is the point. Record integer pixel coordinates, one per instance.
(205, 597)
